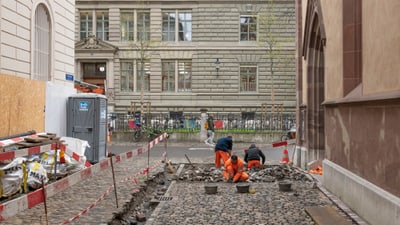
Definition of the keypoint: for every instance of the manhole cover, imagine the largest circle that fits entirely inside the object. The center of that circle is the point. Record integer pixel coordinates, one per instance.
(164, 198)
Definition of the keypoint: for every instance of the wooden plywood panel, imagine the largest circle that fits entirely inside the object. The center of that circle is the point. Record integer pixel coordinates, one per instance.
(22, 103)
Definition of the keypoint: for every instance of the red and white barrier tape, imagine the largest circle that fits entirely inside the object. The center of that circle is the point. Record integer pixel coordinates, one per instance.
(83, 212)
(141, 172)
(12, 207)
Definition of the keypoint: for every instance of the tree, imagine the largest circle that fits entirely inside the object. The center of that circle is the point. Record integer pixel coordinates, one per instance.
(275, 21)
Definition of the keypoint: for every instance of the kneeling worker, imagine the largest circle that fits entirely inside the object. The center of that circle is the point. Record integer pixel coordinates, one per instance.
(252, 157)
(234, 170)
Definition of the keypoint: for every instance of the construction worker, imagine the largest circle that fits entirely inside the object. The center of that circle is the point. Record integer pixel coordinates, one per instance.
(234, 170)
(223, 150)
(252, 157)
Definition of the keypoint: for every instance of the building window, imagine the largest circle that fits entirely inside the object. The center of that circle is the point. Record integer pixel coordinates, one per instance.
(127, 26)
(102, 25)
(248, 79)
(184, 76)
(131, 78)
(42, 49)
(185, 26)
(176, 75)
(174, 28)
(87, 20)
(86, 24)
(127, 77)
(168, 76)
(143, 76)
(141, 26)
(248, 28)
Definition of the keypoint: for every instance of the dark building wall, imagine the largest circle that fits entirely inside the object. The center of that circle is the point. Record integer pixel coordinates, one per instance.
(364, 138)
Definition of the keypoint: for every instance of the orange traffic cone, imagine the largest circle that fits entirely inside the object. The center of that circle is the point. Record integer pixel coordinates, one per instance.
(285, 158)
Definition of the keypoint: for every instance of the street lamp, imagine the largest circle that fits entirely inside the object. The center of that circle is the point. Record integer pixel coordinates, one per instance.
(217, 65)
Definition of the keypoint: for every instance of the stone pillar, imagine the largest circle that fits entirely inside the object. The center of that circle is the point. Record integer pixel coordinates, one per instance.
(203, 117)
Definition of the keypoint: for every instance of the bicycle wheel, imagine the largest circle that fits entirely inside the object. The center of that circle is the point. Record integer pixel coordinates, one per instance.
(284, 137)
(137, 135)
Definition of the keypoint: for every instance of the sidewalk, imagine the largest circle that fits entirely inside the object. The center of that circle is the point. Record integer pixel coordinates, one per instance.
(91, 201)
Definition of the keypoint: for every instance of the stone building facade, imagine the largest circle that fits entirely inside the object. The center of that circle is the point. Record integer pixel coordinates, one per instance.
(349, 101)
(221, 56)
(36, 58)
(36, 41)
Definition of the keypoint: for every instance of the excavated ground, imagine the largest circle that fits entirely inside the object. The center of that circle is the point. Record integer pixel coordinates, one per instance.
(190, 203)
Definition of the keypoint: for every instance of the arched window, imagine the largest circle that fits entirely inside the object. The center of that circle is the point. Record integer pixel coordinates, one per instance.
(42, 49)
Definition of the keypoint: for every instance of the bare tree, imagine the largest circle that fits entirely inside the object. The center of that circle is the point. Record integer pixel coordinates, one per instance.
(275, 23)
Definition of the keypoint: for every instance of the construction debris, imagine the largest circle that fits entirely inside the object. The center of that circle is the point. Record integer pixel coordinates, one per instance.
(270, 173)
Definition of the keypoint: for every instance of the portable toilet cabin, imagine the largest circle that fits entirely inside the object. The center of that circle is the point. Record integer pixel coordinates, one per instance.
(87, 120)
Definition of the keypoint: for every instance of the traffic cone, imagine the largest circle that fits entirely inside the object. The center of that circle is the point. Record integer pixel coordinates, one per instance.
(285, 158)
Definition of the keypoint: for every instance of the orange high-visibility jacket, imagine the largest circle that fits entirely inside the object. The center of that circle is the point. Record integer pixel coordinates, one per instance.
(234, 169)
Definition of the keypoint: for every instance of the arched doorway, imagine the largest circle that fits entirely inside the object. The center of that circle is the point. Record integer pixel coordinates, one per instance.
(314, 56)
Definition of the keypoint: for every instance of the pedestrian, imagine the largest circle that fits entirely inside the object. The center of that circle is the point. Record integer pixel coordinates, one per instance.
(252, 157)
(223, 150)
(234, 170)
(209, 126)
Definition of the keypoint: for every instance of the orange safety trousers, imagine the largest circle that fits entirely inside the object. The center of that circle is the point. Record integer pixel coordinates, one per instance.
(253, 163)
(219, 154)
(235, 171)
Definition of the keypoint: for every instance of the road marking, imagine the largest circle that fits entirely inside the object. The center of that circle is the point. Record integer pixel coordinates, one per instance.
(194, 149)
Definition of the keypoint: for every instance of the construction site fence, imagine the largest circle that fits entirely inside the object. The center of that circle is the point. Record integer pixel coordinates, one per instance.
(251, 121)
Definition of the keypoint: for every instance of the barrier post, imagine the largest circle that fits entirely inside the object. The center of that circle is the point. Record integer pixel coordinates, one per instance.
(113, 175)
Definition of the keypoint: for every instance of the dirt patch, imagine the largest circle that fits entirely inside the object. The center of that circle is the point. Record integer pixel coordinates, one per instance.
(143, 202)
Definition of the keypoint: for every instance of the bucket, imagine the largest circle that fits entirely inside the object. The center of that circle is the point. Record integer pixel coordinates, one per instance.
(211, 188)
(285, 186)
(243, 188)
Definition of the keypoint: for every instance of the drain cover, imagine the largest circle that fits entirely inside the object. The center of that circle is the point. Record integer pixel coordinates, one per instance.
(164, 198)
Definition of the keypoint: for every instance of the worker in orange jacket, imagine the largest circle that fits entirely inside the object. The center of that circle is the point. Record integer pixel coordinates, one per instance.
(234, 170)
(223, 150)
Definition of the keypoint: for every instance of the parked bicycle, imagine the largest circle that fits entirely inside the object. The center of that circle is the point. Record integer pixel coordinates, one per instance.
(146, 133)
(291, 134)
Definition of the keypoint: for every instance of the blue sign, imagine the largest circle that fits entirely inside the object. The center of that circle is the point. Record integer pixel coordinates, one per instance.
(83, 106)
(69, 77)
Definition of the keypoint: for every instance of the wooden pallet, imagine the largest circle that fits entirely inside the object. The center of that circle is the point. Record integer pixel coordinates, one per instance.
(326, 215)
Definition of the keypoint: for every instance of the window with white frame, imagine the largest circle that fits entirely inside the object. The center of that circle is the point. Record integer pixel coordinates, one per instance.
(127, 77)
(248, 78)
(176, 75)
(101, 19)
(177, 25)
(168, 76)
(143, 76)
(102, 25)
(143, 25)
(42, 48)
(127, 25)
(135, 21)
(184, 76)
(132, 74)
(248, 28)
(86, 24)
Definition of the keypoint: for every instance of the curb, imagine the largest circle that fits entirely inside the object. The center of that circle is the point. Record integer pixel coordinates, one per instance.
(335, 200)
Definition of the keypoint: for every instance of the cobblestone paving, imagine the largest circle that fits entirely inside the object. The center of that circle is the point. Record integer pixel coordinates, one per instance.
(191, 205)
(80, 196)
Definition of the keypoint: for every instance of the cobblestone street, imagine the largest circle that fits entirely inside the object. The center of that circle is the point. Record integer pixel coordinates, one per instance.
(189, 203)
